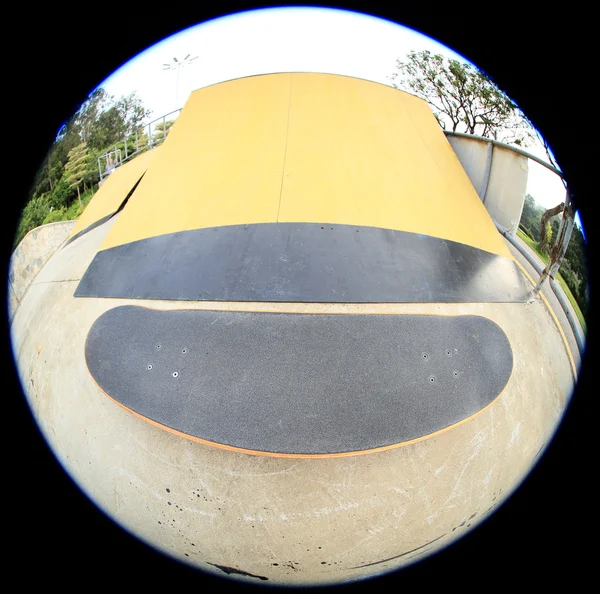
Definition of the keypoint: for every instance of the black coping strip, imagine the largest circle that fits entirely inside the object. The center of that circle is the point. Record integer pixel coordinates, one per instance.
(299, 383)
(107, 217)
(302, 262)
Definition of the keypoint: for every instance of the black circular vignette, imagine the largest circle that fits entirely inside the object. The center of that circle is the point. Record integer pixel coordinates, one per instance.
(539, 59)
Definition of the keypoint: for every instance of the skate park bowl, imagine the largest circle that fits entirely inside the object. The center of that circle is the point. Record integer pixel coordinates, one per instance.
(289, 346)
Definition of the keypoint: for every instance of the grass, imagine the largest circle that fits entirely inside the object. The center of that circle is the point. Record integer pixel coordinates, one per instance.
(534, 246)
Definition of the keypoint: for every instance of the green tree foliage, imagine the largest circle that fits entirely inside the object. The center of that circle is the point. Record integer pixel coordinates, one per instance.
(55, 215)
(546, 227)
(71, 164)
(133, 112)
(159, 129)
(576, 255)
(52, 167)
(110, 129)
(76, 167)
(86, 118)
(103, 122)
(32, 216)
(531, 218)
(548, 243)
(463, 98)
(62, 193)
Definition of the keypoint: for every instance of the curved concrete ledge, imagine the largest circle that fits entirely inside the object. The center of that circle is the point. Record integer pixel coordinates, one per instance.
(31, 254)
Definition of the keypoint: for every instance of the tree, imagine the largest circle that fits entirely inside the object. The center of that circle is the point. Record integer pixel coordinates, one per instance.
(545, 229)
(462, 98)
(32, 216)
(159, 129)
(72, 161)
(76, 167)
(52, 167)
(85, 119)
(530, 217)
(113, 120)
(133, 112)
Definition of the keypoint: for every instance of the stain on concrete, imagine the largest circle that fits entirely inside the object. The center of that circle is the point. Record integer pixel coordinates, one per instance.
(402, 555)
(233, 570)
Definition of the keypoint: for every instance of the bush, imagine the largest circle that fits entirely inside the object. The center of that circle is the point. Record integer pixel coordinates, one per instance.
(570, 279)
(61, 194)
(577, 286)
(32, 216)
(57, 214)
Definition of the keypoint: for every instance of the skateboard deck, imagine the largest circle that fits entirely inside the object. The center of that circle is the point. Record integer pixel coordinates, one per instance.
(298, 384)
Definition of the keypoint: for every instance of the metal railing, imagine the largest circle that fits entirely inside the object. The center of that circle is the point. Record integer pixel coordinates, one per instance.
(562, 240)
(510, 147)
(142, 139)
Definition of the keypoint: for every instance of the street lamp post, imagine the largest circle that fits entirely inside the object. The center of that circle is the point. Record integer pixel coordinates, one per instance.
(177, 65)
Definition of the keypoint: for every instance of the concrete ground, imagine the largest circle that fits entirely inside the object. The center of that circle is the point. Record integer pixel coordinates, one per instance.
(274, 520)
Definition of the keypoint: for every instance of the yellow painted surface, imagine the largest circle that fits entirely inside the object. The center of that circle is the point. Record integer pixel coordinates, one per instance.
(220, 165)
(360, 153)
(307, 147)
(114, 190)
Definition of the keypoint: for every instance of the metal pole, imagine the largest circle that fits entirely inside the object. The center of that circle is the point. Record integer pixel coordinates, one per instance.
(488, 169)
(560, 245)
(164, 128)
(100, 167)
(555, 289)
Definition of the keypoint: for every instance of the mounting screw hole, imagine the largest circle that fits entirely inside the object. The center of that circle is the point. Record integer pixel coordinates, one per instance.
(455, 373)
(448, 352)
(425, 355)
(175, 373)
(158, 346)
(183, 351)
(431, 379)
(149, 367)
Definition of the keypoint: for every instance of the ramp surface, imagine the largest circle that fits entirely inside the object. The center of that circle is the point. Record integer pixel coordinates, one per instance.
(116, 188)
(302, 148)
(302, 262)
(302, 384)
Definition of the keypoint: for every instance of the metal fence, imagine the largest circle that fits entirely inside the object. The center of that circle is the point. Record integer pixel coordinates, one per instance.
(143, 139)
(562, 240)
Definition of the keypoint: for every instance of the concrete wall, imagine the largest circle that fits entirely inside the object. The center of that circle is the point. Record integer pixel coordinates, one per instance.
(506, 188)
(30, 256)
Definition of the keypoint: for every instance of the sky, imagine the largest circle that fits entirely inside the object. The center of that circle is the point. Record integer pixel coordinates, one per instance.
(291, 39)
